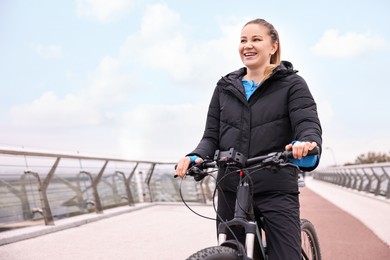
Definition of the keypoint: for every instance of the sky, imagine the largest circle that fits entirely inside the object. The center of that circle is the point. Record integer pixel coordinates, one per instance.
(133, 79)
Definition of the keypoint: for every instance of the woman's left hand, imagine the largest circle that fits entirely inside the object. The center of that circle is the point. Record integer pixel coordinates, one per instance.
(300, 149)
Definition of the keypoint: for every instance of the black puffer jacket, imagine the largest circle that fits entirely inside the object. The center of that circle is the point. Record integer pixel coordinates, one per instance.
(281, 110)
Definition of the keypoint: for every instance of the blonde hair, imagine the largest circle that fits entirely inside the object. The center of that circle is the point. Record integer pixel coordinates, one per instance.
(275, 58)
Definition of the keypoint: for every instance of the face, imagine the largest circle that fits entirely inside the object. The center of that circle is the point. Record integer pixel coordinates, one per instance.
(256, 47)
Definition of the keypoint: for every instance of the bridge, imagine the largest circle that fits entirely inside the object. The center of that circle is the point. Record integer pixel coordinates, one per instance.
(66, 206)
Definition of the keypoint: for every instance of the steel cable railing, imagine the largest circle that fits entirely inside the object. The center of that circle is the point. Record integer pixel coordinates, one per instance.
(36, 186)
(370, 178)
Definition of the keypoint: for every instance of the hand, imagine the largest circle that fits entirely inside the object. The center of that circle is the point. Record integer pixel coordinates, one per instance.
(183, 164)
(300, 149)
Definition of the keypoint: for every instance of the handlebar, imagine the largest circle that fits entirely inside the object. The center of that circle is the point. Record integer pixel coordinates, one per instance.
(237, 159)
(284, 156)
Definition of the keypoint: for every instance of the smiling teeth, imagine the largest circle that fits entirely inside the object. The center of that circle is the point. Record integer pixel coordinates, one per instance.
(249, 54)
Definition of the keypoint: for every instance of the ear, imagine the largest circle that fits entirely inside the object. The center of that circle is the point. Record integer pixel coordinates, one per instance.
(275, 47)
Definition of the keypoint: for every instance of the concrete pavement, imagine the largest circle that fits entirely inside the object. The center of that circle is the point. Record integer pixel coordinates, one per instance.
(163, 232)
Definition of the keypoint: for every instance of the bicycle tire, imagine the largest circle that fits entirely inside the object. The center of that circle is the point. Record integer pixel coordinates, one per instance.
(310, 244)
(215, 253)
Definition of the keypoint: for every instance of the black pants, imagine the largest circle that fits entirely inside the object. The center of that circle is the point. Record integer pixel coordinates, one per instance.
(280, 213)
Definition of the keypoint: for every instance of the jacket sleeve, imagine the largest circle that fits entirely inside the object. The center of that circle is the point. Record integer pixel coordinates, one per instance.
(304, 119)
(210, 140)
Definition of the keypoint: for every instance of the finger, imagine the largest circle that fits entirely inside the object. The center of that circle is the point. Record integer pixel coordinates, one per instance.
(298, 150)
(198, 160)
(305, 149)
(312, 145)
(186, 164)
(288, 147)
(181, 168)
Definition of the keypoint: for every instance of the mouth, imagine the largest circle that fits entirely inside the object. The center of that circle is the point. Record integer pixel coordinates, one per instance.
(249, 54)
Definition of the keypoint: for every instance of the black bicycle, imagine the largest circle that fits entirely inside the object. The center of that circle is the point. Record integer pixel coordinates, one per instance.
(254, 246)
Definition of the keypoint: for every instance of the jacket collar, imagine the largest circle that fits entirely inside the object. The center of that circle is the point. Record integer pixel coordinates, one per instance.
(285, 68)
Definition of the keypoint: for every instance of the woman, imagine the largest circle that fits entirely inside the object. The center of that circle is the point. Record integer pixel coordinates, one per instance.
(261, 108)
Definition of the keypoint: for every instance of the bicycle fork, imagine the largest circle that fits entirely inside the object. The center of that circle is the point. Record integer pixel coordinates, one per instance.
(243, 212)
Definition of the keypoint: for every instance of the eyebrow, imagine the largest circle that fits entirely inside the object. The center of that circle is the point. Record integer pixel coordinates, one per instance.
(256, 35)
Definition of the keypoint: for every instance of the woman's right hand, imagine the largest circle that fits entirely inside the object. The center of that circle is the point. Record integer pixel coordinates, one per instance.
(183, 165)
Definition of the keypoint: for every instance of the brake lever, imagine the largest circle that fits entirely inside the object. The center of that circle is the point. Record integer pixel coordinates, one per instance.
(197, 173)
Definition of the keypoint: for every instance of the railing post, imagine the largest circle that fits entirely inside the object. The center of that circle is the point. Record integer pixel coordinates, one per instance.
(378, 182)
(126, 181)
(387, 192)
(369, 181)
(95, 193)
(94, 183)
(360, 177)
(147, 180)
(46, 211)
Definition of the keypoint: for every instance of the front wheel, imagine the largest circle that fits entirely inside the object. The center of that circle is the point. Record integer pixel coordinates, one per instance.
(309, 241)
(215, 253)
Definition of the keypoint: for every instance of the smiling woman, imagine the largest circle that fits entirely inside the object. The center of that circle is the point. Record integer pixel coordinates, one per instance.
(261, 108)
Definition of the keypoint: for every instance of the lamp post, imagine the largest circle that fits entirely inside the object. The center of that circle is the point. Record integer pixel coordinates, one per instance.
(334, 157)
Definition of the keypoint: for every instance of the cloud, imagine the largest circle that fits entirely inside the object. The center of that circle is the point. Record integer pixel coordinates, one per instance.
(145, 131)
(162, 132)
(352, 44)
(49, 52)
(49, 110)
(110, 84)
(163, 44)
(108, 87)
(103, 10)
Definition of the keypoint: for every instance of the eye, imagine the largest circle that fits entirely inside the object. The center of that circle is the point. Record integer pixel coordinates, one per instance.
(242, 41)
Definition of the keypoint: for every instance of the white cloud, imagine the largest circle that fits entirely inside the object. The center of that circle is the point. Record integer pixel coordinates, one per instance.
(162, 132)
(107, 87)
(103, 10)
(49, 110)
(164, 44)
(49, 52)
(110, 84)
(351, 44)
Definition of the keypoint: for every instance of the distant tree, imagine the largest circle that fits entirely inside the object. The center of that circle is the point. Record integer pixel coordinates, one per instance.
(372, 157)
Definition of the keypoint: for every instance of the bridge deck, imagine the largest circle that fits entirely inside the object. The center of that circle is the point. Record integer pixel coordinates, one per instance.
(172, 232)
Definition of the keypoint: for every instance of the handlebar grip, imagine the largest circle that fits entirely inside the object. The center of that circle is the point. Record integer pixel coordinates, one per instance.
(203, 165)
(206, 165)
(315, 151)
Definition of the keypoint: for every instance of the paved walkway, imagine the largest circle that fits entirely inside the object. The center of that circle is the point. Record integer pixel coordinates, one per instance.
(350, 226)
(373, 211)
(170, 232)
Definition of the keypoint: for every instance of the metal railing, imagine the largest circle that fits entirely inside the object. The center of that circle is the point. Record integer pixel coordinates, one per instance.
(371, 178)
(48, 186)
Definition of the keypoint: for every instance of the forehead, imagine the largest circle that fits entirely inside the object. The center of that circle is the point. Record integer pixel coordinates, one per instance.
(254, 29)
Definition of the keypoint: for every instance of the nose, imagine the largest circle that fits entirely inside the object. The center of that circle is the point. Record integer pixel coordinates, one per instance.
(248, 45)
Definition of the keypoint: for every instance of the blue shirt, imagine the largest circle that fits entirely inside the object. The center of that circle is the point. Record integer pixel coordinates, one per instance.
(249, 87)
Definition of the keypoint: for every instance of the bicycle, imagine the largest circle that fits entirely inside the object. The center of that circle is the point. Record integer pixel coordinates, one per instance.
(254, 246)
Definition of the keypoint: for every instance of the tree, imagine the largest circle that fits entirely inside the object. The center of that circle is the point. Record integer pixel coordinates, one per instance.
(372, 157)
